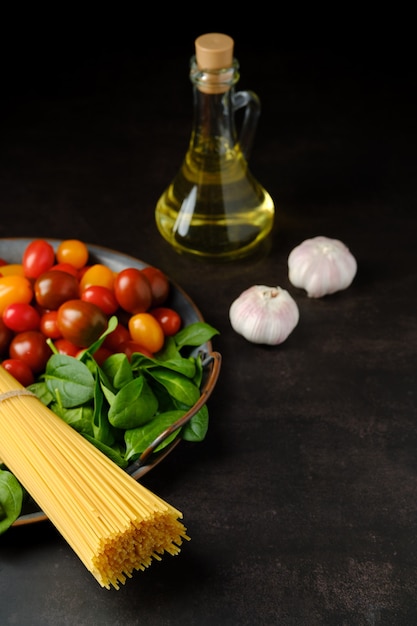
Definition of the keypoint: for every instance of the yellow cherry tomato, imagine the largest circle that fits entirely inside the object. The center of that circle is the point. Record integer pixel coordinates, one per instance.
(12, 269)
(72, 251)
(14, 289)
(97, 274)
(147, 331)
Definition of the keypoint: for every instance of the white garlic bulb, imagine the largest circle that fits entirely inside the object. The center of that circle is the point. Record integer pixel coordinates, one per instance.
(265, 315)
(321, 266)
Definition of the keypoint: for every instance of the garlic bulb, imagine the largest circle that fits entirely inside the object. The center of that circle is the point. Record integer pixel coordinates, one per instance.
(265, 315)
(321, 266)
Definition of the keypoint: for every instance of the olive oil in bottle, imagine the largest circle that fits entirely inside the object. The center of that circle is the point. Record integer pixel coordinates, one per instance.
(214, 207)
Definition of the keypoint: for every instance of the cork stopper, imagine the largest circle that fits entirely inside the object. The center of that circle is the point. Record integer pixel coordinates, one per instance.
(214, 51)
(214, 60)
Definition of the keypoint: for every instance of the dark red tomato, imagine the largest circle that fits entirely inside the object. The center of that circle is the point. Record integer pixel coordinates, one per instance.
(6, 335)
(48, 325)
(81, 322)
(66, 267)
(169, 320)
(102, 297)
(130, 347)
(159, 285)
(3, 262)
(30, 347)
(66, 347)
(101, 355)
(133, 290)
(38, 257)
(119, 335)
(55, 287)
(20, 371)
(21, 316)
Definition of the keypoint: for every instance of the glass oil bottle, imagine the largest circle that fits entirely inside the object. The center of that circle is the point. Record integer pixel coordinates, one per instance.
(214, 207)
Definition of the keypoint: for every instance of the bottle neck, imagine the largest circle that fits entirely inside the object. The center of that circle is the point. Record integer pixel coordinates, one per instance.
(213, 92)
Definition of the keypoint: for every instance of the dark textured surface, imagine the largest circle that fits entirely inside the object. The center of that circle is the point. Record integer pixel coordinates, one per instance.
(302, 501)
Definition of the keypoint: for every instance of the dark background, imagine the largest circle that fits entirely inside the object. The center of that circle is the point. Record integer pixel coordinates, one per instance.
(301, 502)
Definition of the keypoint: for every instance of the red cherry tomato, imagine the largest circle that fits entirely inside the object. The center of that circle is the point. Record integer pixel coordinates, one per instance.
(102, 297)
(20, 371)
(55, 287)
(114, 339)
(146, 331)
(38, 257)
(30, 347)
(159, 285)
(81, 322)
(101, 355)
(169, 319)
(21, 316)
(133, 290)
(130, 347)
(6, 335)
(66, 347)
(66, 267)
(48, 325)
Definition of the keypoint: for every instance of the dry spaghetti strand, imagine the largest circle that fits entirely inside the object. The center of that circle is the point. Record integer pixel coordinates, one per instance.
(113, 523)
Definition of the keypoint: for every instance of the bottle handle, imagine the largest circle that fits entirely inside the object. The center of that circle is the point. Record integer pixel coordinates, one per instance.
(252, 104)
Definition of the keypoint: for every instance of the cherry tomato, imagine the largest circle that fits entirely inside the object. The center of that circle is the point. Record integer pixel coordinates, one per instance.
(72, 251)
(12, 269)
(101, 355)
(21, 316)
(102, 297)
(14, 289)
(81, 322)
(119, 335)
(30, 347)
(169, 319)
(97, 274)
(3, 262)
(133, 290)
(66, 267)
(66, 347)
(159, 285)
(20, 371)
(38, 257)
(6, 335)
(48, 325)
(130, 347)
(55, 287)
(147, 331)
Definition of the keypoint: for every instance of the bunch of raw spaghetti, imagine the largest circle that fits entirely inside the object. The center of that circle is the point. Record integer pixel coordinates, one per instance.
(114, 524)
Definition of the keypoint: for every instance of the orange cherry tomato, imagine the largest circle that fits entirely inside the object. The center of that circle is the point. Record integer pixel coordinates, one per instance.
(97, 274)
(146, 331)
(14, 289)
(72, 251)
(12, 269)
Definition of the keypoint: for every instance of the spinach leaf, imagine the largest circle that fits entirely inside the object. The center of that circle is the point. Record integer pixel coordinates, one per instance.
(178, 386)
(134, 405)
(138, 439)
(196, 429)
(69, 380)
(195, 334)
(11, 497)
